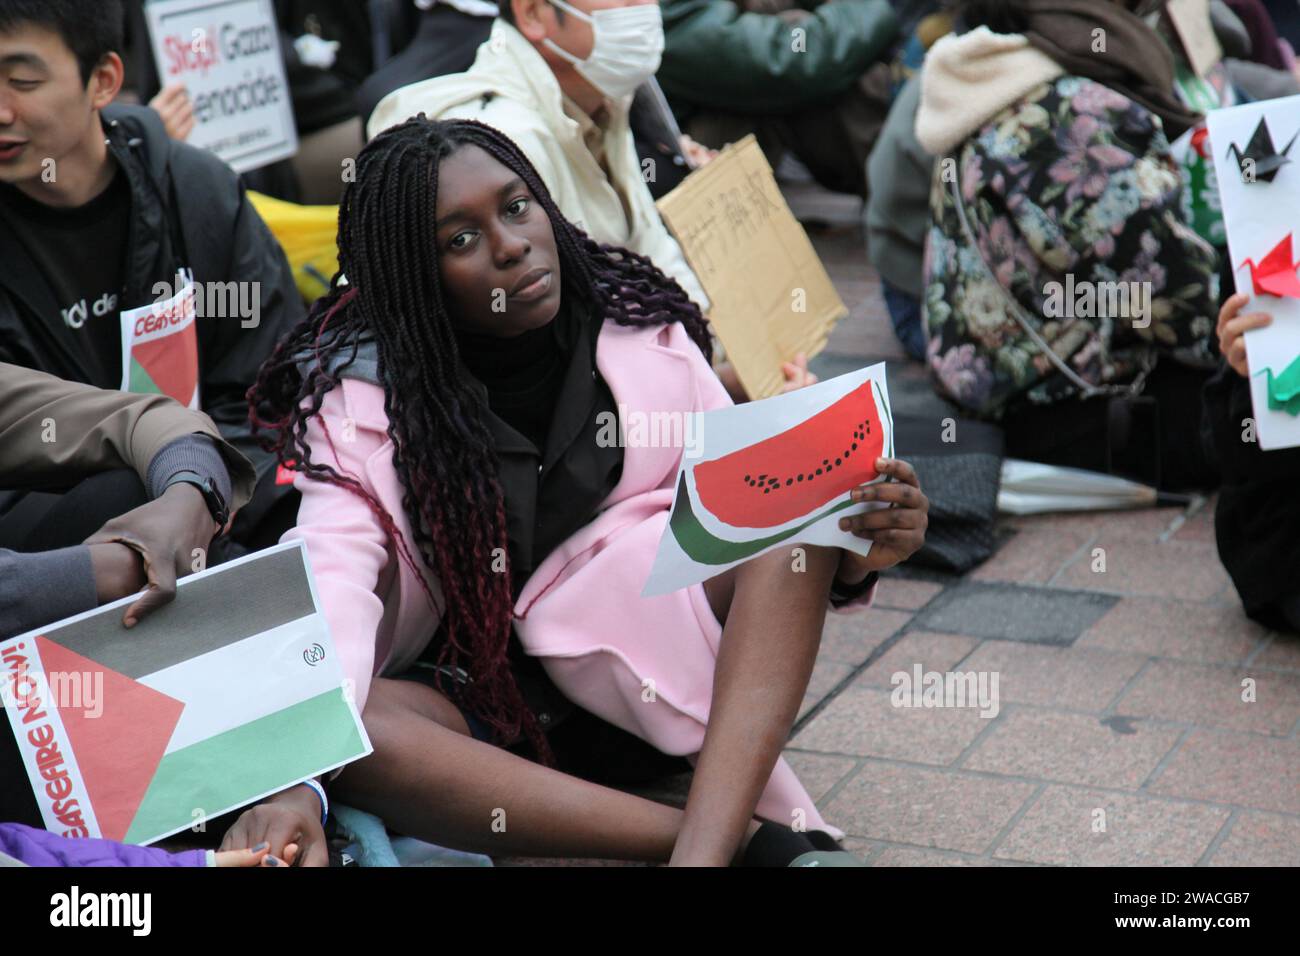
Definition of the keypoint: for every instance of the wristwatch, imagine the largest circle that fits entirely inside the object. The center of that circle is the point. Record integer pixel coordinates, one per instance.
(208, 488)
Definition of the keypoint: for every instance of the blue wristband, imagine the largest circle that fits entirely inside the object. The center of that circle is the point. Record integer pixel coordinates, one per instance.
(324, 801)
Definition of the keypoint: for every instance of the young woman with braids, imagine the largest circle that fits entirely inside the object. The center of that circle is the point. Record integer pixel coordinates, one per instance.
(477, 544)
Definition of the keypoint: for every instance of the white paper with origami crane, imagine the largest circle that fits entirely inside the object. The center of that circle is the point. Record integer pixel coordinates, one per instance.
(228, 694)
(1257, 158)
(775, 473)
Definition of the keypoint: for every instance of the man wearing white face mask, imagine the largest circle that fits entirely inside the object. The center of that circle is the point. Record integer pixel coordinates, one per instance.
(557, 77)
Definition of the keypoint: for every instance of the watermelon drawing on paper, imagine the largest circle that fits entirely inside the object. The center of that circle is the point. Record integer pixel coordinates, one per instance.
(787, 484)
(789, 474)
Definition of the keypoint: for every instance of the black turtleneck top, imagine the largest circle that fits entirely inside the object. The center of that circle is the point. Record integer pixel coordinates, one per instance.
(545, 393)
(523, 374)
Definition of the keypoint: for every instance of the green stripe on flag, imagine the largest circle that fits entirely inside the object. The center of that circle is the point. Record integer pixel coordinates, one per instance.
(239, 765)
(141, 381)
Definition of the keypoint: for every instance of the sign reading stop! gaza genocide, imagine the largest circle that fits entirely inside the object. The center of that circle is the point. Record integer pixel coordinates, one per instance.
(227, 54)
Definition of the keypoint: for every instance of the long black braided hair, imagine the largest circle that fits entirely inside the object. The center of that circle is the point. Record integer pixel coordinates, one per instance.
(443, 451)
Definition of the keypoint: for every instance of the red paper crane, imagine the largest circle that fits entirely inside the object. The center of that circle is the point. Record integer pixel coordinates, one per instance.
(1275, 274)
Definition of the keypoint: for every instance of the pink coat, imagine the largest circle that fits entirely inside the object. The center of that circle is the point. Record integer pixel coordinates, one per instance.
(643, 664)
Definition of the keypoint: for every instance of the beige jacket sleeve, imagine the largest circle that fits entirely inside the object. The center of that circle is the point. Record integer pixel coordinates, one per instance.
(659, 245)
(56, 432)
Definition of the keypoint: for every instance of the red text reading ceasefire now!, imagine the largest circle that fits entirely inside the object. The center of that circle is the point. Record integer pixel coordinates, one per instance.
(41, 736)
(176, 314)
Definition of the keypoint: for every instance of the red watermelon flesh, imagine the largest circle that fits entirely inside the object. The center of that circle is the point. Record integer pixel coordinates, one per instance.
(780, 478)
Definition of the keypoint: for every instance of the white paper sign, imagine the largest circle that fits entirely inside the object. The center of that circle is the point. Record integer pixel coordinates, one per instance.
(775, 473)
(231, 693)
(1259, 215)
(160, 348)
(227, 53)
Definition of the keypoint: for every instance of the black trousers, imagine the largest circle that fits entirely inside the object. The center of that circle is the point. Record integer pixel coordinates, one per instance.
(1077, 434)
(43, 521)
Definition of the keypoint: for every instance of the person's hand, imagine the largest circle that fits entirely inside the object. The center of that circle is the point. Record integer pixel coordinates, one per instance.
(796, 374)
(289, 822)
(259, 855)
(173, 104)
(896, 532)
(1232, 331)
(697, 154)
(117, 571)
(165, 533)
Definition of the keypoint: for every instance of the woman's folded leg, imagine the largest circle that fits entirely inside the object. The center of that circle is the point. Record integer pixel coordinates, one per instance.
(770, 637)
(428, 778)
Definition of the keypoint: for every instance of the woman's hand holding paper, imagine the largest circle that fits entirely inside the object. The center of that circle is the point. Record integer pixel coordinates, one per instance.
(896, 532)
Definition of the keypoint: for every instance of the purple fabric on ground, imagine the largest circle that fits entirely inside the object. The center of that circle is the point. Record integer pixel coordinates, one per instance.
(43, 848)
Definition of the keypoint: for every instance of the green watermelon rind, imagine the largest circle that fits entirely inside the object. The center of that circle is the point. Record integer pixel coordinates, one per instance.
(889, 417)
(705, 548)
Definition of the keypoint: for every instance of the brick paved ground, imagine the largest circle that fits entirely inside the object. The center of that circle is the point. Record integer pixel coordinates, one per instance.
(1121, 690)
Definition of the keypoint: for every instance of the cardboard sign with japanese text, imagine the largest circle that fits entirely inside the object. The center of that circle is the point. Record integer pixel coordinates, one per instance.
(770, 295)
(1191, 20)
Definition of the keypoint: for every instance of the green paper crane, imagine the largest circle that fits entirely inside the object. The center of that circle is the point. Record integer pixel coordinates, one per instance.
(1284, 389)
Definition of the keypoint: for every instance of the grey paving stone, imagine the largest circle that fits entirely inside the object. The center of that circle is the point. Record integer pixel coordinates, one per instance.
(865, 721)
(1074, 748)
(926, 807)
(915, 856)
(905, 593)
(1260, 839)
(1069, 826)
(1246, 770)
(1008, 612)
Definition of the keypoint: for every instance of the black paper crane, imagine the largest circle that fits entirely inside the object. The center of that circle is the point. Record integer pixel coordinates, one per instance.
(1267, 161)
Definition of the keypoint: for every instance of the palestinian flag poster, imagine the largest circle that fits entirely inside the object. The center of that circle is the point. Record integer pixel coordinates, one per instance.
(774, 473)
(160, 346)
(230, 693)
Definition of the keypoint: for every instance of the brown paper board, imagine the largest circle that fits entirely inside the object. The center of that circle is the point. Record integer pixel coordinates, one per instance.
(770, 295)
(1191, 20)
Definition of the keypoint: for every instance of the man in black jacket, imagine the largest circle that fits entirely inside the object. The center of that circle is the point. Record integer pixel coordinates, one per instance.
(99, 212)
